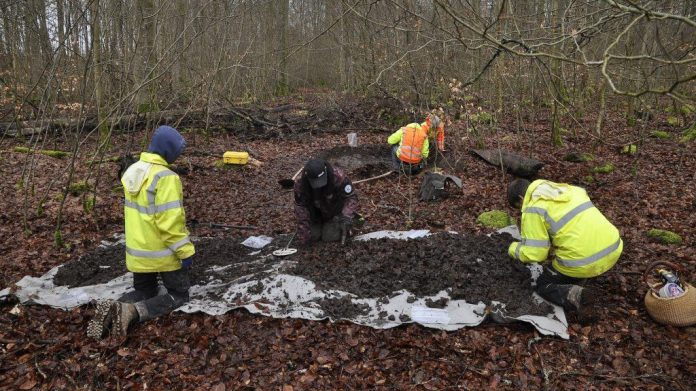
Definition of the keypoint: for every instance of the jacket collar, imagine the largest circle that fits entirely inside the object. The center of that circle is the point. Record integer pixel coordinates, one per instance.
(153, 158)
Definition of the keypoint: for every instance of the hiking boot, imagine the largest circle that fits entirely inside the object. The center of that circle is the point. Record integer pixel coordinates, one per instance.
(583, 300)
(102, 320)
(124, 315)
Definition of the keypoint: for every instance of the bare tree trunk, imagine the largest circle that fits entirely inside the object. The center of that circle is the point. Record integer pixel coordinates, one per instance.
(97, 72)
(282, 87)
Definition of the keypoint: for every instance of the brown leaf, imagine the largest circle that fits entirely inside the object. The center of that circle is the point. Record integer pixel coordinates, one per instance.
(287, 388)
(621, 366)
(324, 359)
(28, 384)
(219, 387)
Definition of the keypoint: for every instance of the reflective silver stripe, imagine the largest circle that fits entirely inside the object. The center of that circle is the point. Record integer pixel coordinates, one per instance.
(169, 205)
(592, 258)
(180, 243)
(150, 210)
(517, 250)
(556, 226)
(149, 254)
(153, 185)
(139, 208)
(538, 211)
(536, 242)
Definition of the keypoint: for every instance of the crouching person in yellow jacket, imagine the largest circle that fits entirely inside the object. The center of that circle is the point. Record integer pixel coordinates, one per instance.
(157, 241)
(586, 244)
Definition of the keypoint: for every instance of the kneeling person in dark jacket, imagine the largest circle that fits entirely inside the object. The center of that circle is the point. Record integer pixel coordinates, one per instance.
(325, 203)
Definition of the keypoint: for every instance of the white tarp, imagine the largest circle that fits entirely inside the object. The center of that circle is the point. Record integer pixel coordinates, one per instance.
(287, 296)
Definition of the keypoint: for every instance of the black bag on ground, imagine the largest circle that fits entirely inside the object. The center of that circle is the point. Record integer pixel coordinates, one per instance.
(433, 186)
(516, 165)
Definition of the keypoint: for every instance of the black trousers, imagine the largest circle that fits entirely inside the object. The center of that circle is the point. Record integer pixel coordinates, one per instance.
(554, 286)
(329, 231)
(406, 168)
(151, 305)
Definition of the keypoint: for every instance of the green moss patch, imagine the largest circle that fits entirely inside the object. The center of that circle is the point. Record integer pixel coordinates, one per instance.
(687, 109)
(689, 135)
(661, 134)
(603, 169)
(630, 149)
(78, 188)
(482, 118)
(578, 157)
(47, 152)
(495, 219)
(664, 236)
(673, 121)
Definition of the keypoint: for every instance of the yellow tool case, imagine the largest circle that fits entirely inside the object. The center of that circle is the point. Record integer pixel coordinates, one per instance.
(231, 157)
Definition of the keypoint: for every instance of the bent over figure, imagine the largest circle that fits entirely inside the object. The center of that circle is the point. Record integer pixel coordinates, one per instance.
(326, 203)
(562, 216)
(157, 241)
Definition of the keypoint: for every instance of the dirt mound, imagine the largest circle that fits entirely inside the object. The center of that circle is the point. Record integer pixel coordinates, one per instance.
(472, 268)
(105, 264)
(360, 162)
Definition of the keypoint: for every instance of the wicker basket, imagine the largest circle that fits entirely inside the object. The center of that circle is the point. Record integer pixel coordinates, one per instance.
(674, 311)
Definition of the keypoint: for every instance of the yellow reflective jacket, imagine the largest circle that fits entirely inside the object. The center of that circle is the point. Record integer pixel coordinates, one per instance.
(397, 138)
(156, 235)
(586, 244)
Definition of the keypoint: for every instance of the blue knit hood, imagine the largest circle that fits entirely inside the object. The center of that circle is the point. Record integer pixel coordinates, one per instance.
(168, 143)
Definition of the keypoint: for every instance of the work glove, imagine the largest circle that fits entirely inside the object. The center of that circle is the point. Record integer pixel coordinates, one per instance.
(186, 263)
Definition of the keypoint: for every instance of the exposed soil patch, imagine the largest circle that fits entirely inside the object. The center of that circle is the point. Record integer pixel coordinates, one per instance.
(469, 267)
(359, 162)
(343, 308)
(105, 264)
(473, 268)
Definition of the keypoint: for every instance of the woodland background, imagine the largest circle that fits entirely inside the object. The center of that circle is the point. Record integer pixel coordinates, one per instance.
(83, 82)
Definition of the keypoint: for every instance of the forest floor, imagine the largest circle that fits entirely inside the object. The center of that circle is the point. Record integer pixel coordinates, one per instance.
(45, 348)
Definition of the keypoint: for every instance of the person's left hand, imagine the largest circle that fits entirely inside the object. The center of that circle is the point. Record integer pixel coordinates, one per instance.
(186, 263)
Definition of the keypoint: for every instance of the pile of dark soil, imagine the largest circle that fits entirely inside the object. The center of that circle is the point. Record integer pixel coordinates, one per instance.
(343, 308)
(473, 268)
(361, 162)
(107, 263)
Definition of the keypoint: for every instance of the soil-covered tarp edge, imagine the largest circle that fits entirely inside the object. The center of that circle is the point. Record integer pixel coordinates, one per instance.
(288, 296)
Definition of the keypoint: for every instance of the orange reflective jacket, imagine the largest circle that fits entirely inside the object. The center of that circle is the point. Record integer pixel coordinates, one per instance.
(438, 135)
(412, 140)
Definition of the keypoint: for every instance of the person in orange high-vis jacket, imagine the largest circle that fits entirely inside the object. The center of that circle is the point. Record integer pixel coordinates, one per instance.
(410, 148)
(412, 143)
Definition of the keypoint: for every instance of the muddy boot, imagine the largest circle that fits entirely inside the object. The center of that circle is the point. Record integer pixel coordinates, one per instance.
(125, 314)
(583, 300)
(103, 317)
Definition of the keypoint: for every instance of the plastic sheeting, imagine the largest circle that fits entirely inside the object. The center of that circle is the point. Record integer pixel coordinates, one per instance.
(287, 296)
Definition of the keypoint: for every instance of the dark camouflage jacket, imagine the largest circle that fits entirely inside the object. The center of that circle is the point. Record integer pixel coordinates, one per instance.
(337, 198)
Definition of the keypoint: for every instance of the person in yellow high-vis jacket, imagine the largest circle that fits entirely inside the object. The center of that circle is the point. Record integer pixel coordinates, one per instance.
(157, 241)
(585, 243)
